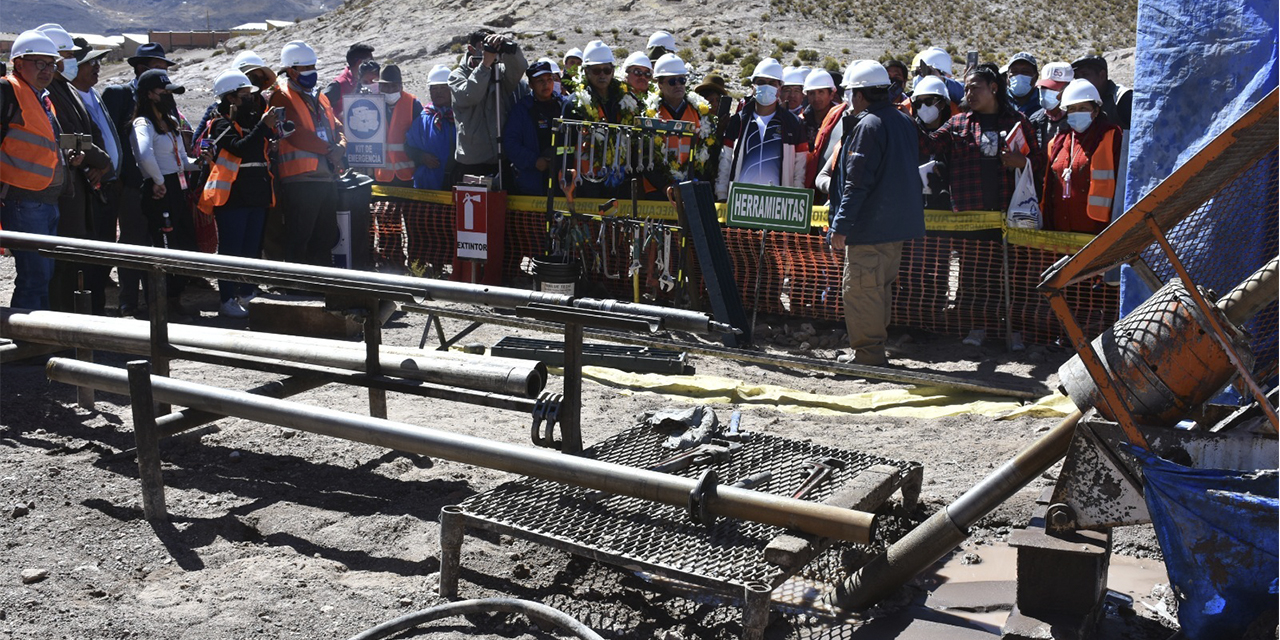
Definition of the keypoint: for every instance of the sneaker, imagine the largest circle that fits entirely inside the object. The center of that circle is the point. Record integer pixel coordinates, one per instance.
(232, 309)
(244, 299)
(975, 337)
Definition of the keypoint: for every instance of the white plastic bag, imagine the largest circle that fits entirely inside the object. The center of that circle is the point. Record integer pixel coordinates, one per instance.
(1024, 207)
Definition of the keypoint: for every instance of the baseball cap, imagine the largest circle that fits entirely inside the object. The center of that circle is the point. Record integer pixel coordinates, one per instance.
(539, 68)
(153, 79)
(1023, 56)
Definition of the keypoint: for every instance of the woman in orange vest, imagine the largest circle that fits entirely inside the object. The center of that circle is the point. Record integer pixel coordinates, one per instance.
(1080, 184)
(238, 191)
(402, 110)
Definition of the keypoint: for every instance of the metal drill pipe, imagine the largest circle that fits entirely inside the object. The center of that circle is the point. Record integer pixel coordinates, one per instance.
(1250, 296)
(947, 528)
(483, 373)
(369, 283)
(810, 517)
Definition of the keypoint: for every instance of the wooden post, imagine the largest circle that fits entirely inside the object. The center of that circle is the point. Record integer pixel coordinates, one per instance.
(147, 436)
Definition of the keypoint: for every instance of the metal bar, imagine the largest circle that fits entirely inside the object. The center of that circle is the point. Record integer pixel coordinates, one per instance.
(1251, 295)
(147, 437)
(1032, 392)
(188, 419)
(947, 528)
(483, 373)
(1219, 333)
(84, 306)
(384, 286)
(729, 502)
(466, 331)
(158, 312)
(373, 357)
(571, 407)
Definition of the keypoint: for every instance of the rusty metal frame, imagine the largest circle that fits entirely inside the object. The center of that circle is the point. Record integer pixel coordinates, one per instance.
(1227, 156)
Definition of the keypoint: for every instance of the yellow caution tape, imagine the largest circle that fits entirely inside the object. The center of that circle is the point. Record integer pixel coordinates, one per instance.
(1061, 242)
(917, 402)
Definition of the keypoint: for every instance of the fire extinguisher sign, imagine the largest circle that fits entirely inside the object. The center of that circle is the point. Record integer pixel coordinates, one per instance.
(473, 236)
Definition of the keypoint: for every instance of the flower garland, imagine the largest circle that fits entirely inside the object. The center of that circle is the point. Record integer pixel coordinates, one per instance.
(703, 137)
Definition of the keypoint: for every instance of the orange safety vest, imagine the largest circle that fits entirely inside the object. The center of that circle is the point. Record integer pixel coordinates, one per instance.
(1102, 179)
(295, 161)
(398, 164)
(217, 189)
(679, 147)
(29, 153)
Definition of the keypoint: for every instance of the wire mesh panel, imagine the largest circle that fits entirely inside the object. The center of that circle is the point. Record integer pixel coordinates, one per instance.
(1229, 237)
(729, 553)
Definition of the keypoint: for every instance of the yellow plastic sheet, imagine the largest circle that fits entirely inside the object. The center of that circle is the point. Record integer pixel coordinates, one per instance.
(918, 402)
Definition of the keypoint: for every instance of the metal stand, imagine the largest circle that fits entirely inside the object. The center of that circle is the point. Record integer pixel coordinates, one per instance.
(373, 364)
(158, 310)
(84, 305)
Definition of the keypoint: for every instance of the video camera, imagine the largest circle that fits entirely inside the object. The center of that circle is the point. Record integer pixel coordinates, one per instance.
(74, 141)
(508, 47)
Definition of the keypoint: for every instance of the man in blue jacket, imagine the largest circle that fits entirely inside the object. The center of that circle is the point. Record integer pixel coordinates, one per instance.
(429, 142)
(529, 131)
(879, 208)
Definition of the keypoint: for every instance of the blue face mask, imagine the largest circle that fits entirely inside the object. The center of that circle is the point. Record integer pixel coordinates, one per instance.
(1080, 120)
(1020, 86)
(766, 94)
(1049, 98)
(308, 79)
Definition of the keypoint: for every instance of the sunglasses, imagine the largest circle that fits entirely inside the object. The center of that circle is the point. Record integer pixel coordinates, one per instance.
(677, 80)
(41, 65)
(640, 73)
(600, 71)
(932, 101)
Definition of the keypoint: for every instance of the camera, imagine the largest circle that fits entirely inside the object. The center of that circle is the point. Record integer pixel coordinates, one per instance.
(507, 47)
(74, 141)
(284, 128)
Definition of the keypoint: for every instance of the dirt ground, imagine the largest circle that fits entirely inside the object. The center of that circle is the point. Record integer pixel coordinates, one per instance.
(276, 533)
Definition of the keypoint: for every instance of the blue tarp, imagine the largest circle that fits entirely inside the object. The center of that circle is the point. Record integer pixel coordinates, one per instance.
(1218, 532)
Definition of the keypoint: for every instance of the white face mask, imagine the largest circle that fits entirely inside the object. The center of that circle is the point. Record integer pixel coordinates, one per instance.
(70, 67)
(928, 113)
(766, 94)
(1049, 98)
(1080, 120)
(392, 98)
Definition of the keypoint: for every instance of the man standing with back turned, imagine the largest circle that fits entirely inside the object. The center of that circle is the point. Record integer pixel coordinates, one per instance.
(879, 208)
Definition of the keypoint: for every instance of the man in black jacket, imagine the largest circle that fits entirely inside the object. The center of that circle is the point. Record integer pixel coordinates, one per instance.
(119, 101)
(103, 207)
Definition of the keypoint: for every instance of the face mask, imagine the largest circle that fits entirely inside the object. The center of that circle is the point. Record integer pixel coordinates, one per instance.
(928, 113)
(1020, 86)
(1080, 120)
(848, 96)
(766, 95)
(392, 98)
(370, 88)
(308, 79)
(1049, 99)
(167, 103)
(70, 67)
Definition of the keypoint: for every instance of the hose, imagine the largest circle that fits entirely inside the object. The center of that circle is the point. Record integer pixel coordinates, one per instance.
(533, 610)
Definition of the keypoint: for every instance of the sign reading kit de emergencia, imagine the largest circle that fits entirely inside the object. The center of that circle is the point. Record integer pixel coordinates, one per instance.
(757, 206)
(365, 122)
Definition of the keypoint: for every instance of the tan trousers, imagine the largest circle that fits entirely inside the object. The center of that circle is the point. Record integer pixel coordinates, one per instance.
(870, 272)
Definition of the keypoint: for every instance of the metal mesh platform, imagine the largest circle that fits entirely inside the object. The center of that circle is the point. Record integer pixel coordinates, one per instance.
(662, 539)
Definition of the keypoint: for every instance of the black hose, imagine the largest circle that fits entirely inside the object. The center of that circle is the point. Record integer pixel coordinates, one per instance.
(533, 610)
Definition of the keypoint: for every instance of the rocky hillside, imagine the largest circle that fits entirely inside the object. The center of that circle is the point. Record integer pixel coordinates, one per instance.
(722, 36)
(138, 16)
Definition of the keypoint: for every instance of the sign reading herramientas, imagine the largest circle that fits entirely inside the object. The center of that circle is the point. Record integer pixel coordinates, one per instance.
(766, 207)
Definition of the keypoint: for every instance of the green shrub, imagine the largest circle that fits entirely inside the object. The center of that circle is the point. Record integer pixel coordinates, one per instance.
(807, 55)
(726, 58)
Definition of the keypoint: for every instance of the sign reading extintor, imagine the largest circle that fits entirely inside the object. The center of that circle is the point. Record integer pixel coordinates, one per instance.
(768, 207)
(364, 117)
(473, 235)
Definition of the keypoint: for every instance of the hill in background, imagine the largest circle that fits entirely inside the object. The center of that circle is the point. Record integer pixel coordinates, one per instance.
(109, 17)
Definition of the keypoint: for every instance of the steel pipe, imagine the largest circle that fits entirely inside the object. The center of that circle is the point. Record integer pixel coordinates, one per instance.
(742, 504)
(483, 373)
(368, 283)
(1250, 296)
(947, 528)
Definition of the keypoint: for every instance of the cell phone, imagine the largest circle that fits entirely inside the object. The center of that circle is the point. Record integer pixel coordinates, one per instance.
(279, 114)
(74, 141)
(971, 60)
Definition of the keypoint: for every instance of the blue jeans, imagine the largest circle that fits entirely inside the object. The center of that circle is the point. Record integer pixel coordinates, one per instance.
(31, 286)
(239, 234)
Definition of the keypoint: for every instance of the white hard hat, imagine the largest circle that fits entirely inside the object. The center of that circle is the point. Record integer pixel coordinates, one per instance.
(768, 68)
(794, 76)
(439, 75)
(930, 86)
(572, 53)
(637, 59)
(819, 79)
(61, 39)
(231, 80)
(863, 74)
(1080, 90)
(597, 52)
(670, 64)
(555, 68)
(247, 61)
(1056, 75)
(33, 43)
(662, 39)
(937, 58)
(297, 54)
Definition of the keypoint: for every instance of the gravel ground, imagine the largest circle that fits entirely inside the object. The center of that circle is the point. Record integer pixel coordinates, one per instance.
(276, 533)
